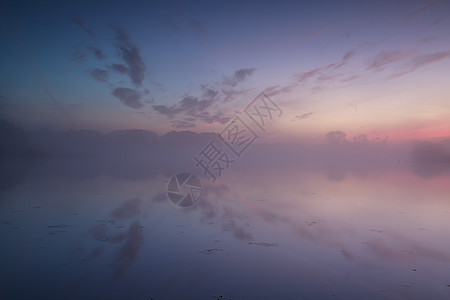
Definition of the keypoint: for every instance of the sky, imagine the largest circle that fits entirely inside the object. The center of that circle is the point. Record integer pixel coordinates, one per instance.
(379, 68)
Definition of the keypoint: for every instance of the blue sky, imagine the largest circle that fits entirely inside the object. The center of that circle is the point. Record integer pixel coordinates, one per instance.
(378, 68)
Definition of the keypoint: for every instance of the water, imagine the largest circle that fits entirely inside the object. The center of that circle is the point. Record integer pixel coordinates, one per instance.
(258, 232)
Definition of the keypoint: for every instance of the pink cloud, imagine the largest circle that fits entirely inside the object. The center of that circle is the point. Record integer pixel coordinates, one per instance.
(422, 9)
(420, 61)
(301, 77)
(388, 57)
(317, 34)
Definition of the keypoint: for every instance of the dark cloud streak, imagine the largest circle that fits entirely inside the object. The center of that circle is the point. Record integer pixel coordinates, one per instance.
(83, 26)
(129, 97)
(305, 76)
(130, 53)
(303, 116)
(119, 68)
(420, 61)
(197, 28)
(422, 9)
(195, 108)
(388, 57)
(99, 74)
(190, 105)
(183, 124)
(97, 52)
(239, 76)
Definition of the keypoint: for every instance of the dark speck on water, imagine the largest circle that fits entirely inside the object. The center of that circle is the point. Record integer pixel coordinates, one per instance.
(264, 244)
(58, 226)
(210, 251)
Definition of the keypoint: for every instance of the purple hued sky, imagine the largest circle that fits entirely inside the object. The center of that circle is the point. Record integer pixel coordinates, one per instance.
(379, 68)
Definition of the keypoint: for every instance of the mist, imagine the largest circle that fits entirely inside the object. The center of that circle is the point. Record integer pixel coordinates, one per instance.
(228, 150)
(139, 154)
(103, 199)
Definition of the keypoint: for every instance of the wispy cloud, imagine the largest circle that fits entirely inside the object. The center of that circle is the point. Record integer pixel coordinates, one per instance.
(232, 94)
(190, 105)
(317, 34)
(428, 39)
(82, 26)
(319, 79)
(305, 76)
(209, 93)
(195, 110)
(78, 53)
(129, 97)
(201, 107)
(303, 116)
(217, 117)
(119, 68)
(99, 74)
(132, 65)
(422, 9)
(97, 52)
(345, 58)
(197, 28)
(183, 124)
(350, 78)
(388, 57)
(420, 61)
(131, 55)
(278, 90)
(321, 75)
(239, 76)
(174, 27)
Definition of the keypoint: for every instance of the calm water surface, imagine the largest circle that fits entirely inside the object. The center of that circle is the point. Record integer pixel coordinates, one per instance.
(257, 233)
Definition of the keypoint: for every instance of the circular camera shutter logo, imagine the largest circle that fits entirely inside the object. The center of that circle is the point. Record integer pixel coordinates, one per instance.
(184, 189)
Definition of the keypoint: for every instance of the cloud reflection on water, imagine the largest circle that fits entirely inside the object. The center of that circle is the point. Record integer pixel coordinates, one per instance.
(375, 218)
